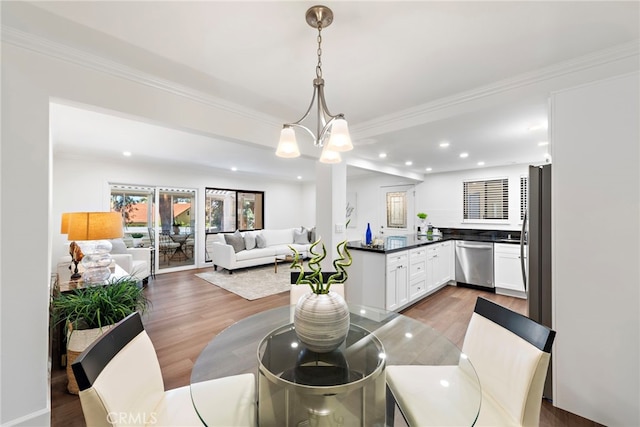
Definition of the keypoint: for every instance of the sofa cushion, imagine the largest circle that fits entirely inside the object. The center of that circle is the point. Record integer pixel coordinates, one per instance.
(235, 240)
(301, 236)
(256, 253)
(118, 246)
(249, 240)
(260, 241)
(278, 237)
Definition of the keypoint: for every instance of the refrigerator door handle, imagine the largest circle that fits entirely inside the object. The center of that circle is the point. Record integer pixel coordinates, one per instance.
(522, 260)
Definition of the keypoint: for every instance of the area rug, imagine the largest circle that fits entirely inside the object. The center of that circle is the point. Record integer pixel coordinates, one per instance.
(251, 283)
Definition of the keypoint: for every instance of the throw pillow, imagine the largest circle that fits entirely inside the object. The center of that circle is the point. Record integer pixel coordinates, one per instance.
(312, 235)
(300, 237)
(118, 246)
(249, 240)
(235, 240)
(261, 242)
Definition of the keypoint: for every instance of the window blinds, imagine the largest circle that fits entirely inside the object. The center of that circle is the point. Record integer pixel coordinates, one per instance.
(486, 199)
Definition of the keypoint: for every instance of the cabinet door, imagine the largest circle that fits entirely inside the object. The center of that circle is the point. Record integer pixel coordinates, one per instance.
(508, 270)
(444, 262)
(397, 286)
(432, 268)
(397, 289)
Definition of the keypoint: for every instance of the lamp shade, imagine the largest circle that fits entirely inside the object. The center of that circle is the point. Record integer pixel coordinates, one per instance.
(340, 140)
(329, 156)
(64, 223)
(95, 225)
(288, 146)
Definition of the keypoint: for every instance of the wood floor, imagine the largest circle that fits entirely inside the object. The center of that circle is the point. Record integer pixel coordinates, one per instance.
(187, 312)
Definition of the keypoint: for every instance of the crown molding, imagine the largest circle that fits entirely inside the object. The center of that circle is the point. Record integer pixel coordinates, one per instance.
(422, 113)
(402, 119)
(75, 56)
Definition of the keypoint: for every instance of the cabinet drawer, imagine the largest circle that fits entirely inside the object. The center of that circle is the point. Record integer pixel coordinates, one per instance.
(417, 253)
(417, 268)
(507, 248)
(417, 289)
(399, 258)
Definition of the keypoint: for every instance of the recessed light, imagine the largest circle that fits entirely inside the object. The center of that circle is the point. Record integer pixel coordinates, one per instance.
(464, 155)
(126, 153)
(444, 144)
(234, 168)
(543, 143)
(480, 163)
(382, 155)
(299, 177)
(428, 169)
(408, 163)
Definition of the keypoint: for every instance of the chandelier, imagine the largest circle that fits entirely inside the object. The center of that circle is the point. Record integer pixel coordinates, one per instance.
(332, 132)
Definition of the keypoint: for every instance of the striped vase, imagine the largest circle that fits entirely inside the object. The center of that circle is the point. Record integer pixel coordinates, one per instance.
(321, 321)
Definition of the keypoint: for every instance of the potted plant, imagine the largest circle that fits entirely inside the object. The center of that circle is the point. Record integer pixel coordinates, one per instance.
(89, 312)
(321, 317)
(422, 229)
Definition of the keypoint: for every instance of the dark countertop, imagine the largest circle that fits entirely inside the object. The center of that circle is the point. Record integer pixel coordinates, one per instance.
(401, 243)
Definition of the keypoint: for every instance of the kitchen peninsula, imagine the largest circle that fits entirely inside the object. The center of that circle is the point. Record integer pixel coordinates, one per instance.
(408, 268)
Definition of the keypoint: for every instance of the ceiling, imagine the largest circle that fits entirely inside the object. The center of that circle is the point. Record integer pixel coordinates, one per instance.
(407, 75)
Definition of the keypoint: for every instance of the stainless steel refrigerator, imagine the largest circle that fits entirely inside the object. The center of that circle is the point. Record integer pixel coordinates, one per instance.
(537, 232)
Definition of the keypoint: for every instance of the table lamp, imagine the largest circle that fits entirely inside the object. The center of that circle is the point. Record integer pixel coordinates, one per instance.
(92, 228)
(74, 250)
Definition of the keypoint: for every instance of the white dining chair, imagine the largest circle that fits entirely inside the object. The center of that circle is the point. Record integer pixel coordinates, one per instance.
(121, 385)
(510, 354)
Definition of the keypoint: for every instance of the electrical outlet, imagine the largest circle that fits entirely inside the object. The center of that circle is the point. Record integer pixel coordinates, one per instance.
(339, 228)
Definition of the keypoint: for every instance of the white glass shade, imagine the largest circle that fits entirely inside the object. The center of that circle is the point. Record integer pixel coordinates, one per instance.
(288, 146)
(329, 156)
(340, 140)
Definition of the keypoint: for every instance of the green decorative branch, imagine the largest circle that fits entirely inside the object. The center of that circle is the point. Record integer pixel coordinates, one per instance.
(314, 278)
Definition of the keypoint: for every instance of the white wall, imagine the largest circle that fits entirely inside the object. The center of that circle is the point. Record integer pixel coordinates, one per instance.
(30, 80)
(440, 196)
(82, 184)
(596, 250)
(369, 202)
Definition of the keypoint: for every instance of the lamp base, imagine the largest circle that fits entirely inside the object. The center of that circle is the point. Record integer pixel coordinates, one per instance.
(96, 267)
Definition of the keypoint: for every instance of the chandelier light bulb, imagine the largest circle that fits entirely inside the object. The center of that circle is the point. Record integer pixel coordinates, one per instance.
(340, 139)
(330, 156)
(288, 146)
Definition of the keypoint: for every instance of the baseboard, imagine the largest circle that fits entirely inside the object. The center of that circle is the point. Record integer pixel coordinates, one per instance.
(41, 418)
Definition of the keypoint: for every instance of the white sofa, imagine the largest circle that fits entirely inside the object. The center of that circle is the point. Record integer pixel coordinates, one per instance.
(136, 262)
(276, 242)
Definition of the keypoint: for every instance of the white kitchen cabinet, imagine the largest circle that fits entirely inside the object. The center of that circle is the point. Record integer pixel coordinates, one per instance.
(439, 264)
(508, 270)
(397, 286)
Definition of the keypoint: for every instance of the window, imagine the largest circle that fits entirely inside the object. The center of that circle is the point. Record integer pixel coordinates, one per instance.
(135, 204)
(523, 196)
(231, 210)
(486, 200)
(397, 209)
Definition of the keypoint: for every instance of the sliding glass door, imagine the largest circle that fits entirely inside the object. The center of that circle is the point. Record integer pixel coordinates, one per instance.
(176, 228)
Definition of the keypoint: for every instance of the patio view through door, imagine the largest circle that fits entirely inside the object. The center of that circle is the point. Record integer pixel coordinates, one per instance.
(175, 228)
(158, 218)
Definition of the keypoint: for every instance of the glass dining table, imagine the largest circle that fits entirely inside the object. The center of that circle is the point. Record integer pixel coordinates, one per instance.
(346, 387)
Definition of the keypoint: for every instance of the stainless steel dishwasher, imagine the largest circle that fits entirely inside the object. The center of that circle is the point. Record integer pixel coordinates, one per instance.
(474, 263)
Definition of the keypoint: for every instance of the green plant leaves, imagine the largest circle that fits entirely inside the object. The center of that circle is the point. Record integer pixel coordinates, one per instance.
(98, 306)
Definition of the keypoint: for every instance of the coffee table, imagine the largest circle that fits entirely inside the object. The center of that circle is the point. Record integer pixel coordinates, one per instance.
(282, 258)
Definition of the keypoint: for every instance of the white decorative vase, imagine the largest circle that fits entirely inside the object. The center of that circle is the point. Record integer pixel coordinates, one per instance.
(321, 321)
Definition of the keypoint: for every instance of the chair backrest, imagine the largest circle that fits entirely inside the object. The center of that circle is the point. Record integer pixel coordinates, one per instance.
(510, 354)
(119, 373)
(152, 236)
